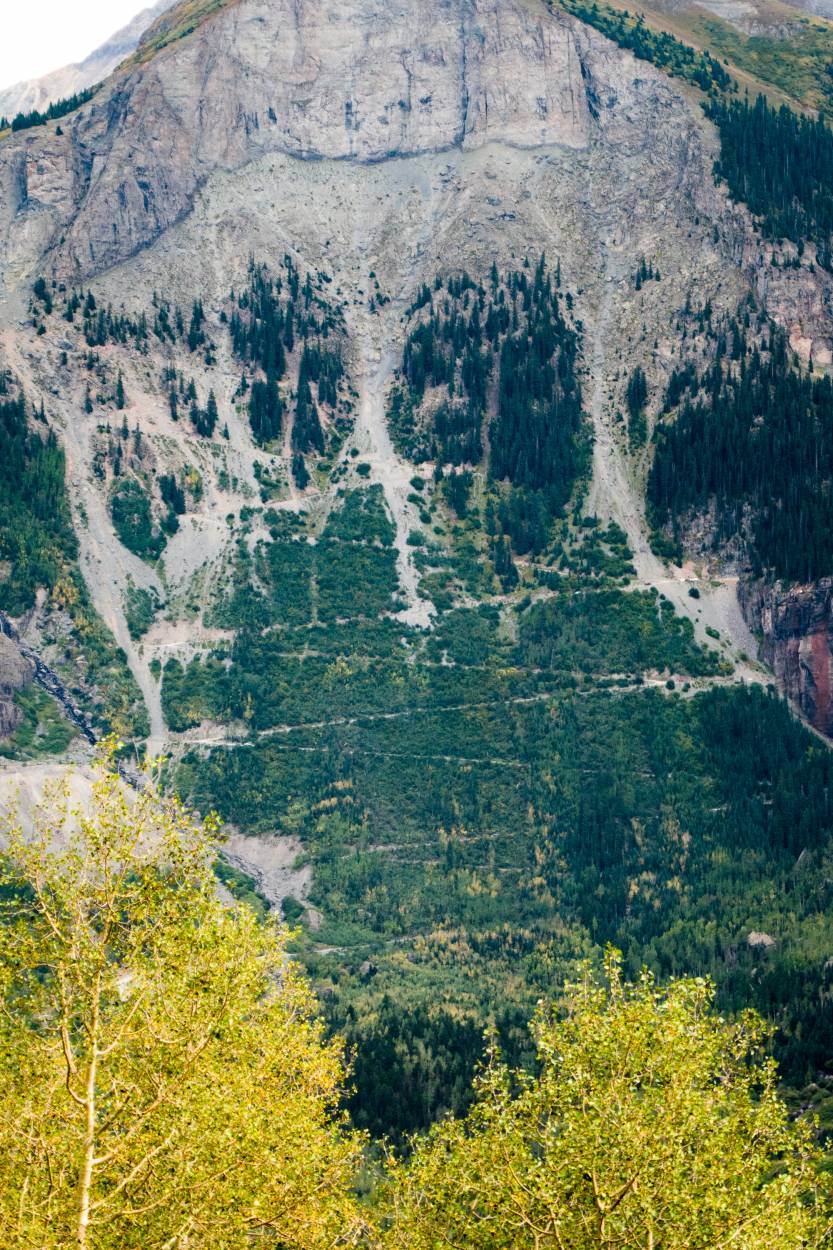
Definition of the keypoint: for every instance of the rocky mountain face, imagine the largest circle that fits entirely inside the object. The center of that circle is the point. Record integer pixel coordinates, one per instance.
(392, 140)
(38, 93)
(362, 83)
(354, 326)
(796, 628)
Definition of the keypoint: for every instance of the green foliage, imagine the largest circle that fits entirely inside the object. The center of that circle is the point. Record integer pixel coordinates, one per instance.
(182, 20)
(274, 318)
(524, 516)
(797, 62)
(362, 517)
(595, 556)
(36, 535)
(781, 164)
(104, 325)
(121, 969)
(192, 694)
(757, 437)
(777, 161)
(43, 731)
(140, 607)
(241, 886)
(651, 1121)
(414, 1065)
(481, 808)
(607, 631)
(38, 548)
(517, 334)
(636, 398)
(132, 519)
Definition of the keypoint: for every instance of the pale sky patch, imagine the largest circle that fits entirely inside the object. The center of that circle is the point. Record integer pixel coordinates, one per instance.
(42, 35)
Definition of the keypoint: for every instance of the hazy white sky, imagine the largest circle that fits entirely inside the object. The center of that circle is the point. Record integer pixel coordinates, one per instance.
(42, 35)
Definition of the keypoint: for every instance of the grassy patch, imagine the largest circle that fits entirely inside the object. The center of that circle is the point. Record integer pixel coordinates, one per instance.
(180, 21)
(43, 731)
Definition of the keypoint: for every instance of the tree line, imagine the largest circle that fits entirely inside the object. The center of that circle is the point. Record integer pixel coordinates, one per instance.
(60, 108)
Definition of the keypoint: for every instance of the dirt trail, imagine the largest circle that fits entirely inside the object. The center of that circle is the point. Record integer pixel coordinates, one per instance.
(681, 685)
(615, 495)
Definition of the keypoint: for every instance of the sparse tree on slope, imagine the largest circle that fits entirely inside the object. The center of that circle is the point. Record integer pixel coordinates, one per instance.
(163, 1079)
(654, 1125)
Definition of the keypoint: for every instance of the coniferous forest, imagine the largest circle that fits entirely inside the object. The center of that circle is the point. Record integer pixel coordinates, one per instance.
(499, 359)
(779, 163)
(754, 434)
(36, 534)
(273, 323)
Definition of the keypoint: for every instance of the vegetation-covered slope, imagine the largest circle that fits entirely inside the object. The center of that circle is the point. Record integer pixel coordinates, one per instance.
(120, 968)
(752, 437)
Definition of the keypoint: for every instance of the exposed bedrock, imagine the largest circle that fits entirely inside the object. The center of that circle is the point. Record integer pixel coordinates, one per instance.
(796, 630)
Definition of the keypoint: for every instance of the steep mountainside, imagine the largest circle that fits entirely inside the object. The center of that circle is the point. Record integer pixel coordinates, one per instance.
(356, 331)
(37, 93)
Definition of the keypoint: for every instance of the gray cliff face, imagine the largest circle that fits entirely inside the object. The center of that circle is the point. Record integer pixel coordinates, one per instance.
(362, 81)
(796, 628)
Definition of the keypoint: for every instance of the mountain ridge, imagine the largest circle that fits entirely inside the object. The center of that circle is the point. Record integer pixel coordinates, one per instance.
(37, 93)
(357, 331)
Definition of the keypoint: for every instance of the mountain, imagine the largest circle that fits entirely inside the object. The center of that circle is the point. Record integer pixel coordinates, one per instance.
(38, 93)
(418, 423)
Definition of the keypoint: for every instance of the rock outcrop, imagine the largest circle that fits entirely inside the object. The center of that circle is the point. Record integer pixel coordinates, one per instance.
(796, 630)
(15, 673)
(366, 81)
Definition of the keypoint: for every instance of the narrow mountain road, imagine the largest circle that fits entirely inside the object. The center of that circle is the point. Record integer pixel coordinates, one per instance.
(696, 685)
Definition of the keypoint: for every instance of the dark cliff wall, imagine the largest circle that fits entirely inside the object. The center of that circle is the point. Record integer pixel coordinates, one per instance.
(796, 628)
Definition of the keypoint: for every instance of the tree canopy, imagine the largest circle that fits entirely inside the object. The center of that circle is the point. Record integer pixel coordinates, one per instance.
(653, 1123)
(163, 1079)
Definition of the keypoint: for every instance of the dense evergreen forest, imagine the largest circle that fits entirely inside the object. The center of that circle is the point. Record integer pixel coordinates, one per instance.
(277, 321)
(487, 804)
(780, 164)
(36, 534)
(754, 436)
(492, 368)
